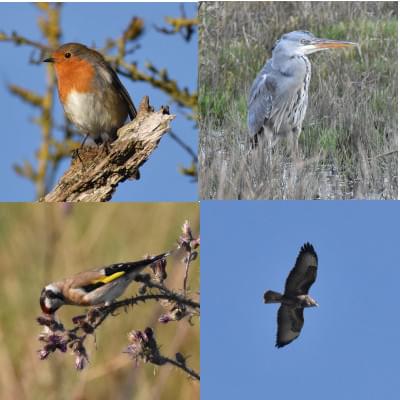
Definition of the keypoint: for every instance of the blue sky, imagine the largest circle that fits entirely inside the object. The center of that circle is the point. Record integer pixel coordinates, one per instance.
(92, 24)
(348, 348)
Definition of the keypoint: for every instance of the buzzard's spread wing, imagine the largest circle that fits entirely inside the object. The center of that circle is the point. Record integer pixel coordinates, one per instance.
(304, 273)
(290, 322)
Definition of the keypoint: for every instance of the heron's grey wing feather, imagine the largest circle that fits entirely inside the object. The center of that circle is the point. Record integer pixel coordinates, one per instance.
(281, 104)
(273, 93)
(289, 79)
(260, 101)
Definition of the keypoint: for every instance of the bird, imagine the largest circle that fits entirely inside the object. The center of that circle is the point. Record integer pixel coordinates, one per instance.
(95, 287)
(278, 97)
(295, 297)
(93, 97)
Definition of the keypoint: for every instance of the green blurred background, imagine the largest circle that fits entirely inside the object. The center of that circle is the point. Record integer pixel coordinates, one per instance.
(41, 243)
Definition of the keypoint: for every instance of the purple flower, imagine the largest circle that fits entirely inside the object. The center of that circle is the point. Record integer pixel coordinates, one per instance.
(43, 354)
(165, 318)
(81, 362)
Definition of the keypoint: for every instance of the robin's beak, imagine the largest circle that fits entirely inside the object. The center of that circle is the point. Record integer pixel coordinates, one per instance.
(326, 44)
(50, 60)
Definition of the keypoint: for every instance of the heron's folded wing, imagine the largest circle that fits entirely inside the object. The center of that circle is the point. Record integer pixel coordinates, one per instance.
(260, 101)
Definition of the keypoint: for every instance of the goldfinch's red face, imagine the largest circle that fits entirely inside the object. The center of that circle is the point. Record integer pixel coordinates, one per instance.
(51, 299)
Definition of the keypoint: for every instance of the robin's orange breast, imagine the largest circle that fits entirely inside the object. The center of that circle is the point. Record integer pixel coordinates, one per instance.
(76, 74)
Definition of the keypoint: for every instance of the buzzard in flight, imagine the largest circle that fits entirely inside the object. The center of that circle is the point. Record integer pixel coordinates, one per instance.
(295, 297)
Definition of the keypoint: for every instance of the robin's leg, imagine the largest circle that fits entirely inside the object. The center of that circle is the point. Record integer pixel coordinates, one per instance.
(75, 153)
(105, 144)
(106, 140)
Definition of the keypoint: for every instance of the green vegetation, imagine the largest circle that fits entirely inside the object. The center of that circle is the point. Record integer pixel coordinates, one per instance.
(348, 143)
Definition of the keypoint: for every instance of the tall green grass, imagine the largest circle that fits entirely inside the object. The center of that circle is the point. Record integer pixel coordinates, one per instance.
(349, 138)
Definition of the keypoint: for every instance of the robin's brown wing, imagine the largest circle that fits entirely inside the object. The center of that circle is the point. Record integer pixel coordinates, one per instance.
(124, 93)
(111, 76)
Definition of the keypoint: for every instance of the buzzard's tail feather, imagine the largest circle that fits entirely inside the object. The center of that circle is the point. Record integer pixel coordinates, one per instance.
(272, 297)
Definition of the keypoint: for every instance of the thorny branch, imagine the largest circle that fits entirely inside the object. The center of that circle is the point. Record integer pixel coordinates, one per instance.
(143, 345)
(189, 243)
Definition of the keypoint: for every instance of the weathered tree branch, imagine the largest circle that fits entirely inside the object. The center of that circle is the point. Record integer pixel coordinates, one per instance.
(95, 172)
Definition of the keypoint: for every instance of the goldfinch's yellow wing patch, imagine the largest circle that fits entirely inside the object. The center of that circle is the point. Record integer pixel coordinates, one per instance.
(110, 278)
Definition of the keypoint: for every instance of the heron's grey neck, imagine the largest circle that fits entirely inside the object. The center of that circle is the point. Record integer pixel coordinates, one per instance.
(284, 51)
(297, 65)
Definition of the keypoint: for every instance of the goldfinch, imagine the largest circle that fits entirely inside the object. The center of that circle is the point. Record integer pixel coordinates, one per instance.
(95, 287)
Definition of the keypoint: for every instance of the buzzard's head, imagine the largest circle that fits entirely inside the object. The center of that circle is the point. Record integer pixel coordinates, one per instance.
(312, 303)
(307, 301)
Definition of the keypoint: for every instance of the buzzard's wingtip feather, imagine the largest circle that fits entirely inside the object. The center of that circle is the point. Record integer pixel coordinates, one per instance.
(280, 345)
(308, 247)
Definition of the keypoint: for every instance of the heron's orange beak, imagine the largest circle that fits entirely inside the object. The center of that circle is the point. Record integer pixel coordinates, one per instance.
(322, 44)
(325, 44)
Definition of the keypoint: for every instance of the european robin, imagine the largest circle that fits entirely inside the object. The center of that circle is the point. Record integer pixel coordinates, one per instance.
(92, 95)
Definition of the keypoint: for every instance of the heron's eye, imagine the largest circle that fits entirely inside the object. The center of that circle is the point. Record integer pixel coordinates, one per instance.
(67, 55)
(304, 41)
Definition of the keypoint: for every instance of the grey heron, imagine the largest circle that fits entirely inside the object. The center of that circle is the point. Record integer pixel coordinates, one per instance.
(279, 95)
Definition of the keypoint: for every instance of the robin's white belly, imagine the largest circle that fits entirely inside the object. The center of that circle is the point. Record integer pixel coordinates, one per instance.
(94, 115)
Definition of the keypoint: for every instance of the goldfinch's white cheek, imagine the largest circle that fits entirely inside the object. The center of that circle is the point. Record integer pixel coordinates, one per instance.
(48, 303)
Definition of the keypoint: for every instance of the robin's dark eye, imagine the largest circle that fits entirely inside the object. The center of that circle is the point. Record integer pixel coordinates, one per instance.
(67, 55)
(304, 41)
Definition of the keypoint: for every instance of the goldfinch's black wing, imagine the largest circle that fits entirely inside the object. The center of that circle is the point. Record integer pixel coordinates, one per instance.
(113, 269)
(92, 280)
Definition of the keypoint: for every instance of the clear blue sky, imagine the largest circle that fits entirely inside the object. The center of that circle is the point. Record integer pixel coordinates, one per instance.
(349, 346)
(92, 24)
